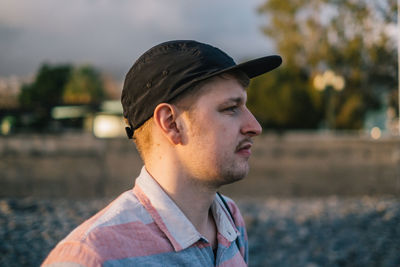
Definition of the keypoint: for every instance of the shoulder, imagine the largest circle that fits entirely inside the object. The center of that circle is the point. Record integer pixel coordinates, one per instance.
(124, 210)
(118, 227)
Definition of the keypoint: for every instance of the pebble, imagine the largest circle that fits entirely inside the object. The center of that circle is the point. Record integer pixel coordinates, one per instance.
(317, 232)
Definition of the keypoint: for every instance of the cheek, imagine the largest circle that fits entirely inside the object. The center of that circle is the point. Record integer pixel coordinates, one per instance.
(225, 140)
(213, 134)
(228, 131)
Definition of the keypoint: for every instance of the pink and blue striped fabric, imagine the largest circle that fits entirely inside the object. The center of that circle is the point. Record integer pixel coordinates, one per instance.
(144, 227)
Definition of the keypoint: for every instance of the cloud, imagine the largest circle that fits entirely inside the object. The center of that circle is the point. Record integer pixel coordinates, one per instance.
(113, 33)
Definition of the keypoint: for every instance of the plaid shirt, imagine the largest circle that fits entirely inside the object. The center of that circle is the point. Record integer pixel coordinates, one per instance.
(144, 227)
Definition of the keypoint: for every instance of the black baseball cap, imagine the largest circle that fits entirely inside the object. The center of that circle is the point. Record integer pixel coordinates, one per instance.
(170, 68)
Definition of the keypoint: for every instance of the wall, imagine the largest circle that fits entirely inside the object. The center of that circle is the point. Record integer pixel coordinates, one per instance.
(320, 165)
(296, 164)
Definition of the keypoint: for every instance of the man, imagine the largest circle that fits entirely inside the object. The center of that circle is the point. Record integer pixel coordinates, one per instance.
(185, 106)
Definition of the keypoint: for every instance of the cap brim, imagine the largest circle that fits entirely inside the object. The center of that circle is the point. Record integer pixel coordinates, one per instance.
(252, 68)
(259, 66)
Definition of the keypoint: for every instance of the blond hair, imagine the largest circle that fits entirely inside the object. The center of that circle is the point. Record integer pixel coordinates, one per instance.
(142, 138)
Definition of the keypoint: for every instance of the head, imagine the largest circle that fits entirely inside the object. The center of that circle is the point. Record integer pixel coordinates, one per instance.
(184, 103)
(192, 96)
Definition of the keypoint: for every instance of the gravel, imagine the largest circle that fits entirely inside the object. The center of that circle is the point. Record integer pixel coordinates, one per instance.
(282, 232)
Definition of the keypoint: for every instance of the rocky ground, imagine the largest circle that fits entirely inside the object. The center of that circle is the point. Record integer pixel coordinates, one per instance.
(282, 232)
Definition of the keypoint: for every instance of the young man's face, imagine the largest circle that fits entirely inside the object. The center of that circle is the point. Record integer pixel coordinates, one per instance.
(218, 137)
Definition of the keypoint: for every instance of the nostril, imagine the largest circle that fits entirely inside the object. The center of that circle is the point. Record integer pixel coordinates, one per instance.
(254, 133)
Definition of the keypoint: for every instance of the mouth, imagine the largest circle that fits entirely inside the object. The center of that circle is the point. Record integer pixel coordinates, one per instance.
(244, 148)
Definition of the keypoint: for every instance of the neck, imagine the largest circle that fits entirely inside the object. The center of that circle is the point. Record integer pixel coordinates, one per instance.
(190, 195)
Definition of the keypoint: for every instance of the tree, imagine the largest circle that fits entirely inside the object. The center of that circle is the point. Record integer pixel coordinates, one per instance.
(44, 93)
(85, 86)
(60, 85)
(283, 99)
(352, 38)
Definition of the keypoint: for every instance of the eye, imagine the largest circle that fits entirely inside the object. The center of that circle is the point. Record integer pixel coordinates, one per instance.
(231, 109)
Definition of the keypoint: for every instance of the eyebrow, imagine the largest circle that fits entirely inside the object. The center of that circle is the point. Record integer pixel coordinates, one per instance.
(237, 100)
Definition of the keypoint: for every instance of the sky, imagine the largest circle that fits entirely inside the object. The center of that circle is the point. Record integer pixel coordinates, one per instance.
(112, 34)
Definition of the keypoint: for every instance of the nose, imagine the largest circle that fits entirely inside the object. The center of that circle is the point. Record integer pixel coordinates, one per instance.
(250, 126)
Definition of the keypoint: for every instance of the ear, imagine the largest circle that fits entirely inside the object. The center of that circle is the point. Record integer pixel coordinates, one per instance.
(165, 116)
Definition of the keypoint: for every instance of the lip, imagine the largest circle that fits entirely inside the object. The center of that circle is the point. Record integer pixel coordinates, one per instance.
(244, 149)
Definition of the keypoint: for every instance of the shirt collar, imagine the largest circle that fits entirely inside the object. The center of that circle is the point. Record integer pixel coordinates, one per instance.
(172, 221)
(225, 224)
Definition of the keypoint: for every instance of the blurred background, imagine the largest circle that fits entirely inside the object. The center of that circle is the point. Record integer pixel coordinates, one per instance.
(324, 184)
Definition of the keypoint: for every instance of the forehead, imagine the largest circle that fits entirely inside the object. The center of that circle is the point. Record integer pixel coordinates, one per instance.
(214, 89)
(222, 88)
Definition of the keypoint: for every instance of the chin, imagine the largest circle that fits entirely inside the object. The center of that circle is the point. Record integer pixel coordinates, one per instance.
(232, 176)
